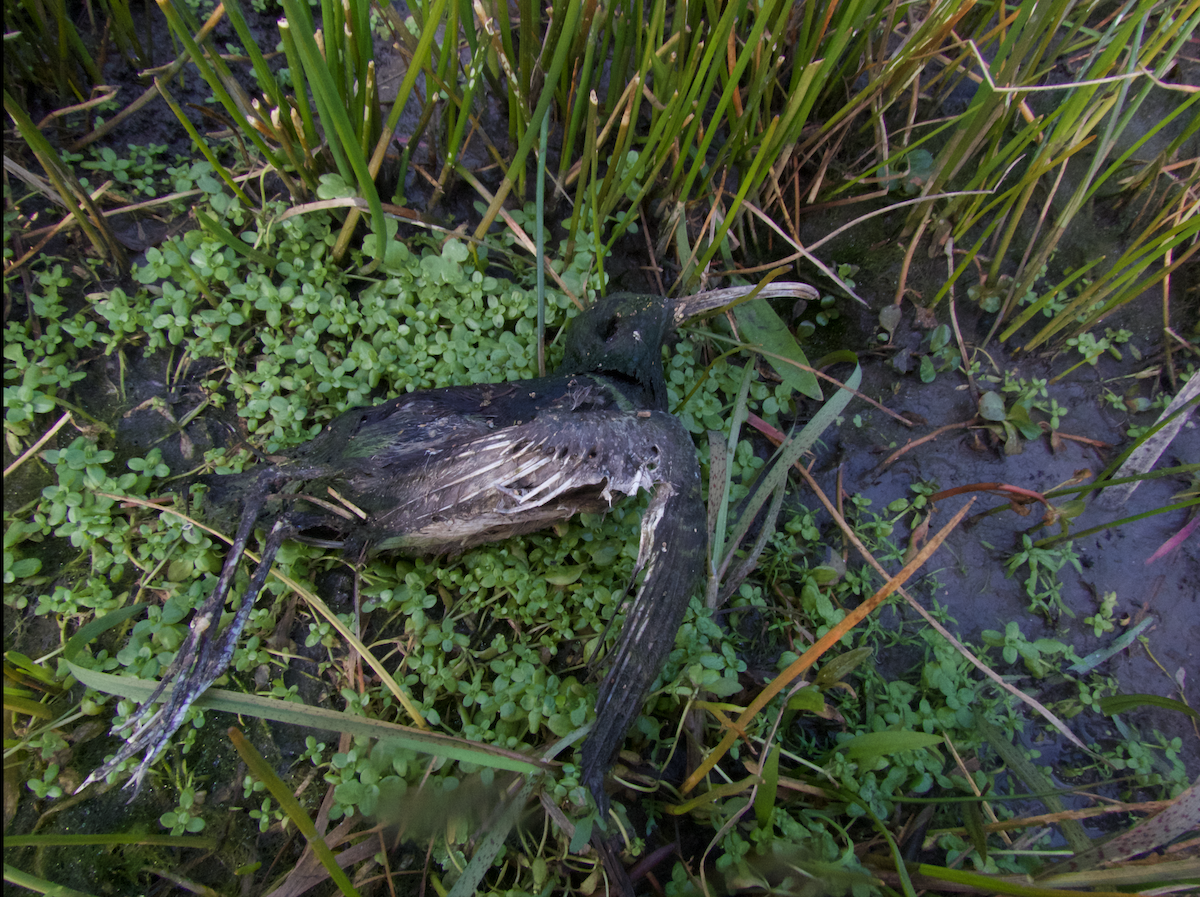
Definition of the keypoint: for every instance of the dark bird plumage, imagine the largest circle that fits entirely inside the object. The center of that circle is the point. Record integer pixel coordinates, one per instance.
(442, 470)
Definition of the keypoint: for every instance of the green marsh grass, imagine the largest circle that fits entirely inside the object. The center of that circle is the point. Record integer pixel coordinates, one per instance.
(692, 116)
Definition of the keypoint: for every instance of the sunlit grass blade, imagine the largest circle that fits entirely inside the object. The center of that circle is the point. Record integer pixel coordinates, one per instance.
(201, 144)
(320, 718)
(340, 133)
(39, 885)
(420, 57)
(261, 770)
(717, 554)
(1035, 780)
(788, 454)
(820, 647)
(132, 838)
(542, 109)
(216, 74)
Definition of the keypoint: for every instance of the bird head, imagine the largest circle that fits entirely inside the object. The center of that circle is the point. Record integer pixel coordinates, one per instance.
(622, 336)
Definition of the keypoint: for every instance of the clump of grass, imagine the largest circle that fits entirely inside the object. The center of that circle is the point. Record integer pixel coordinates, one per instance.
(654, 106)
(1002, 149)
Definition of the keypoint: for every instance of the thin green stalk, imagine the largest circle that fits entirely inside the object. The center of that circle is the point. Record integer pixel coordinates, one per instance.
(1166, 509)
(468, 25)
(340, 133)
(68, 37)
(760, 161)
(332, 32)
(70, 191)
(126, 33)
(288, 136)
(740, 410)
(607, 196)
(322, 76)
(622, 25)
(261, 770)
(262, 70)
(218, 84)
(1127, 268)
(699, 89)
(1075, 109)
(202, 145)
(543, 108)
(37, 885)
(527, 31)
(579, 110)
(448, 73)
(300, 83)
(1190, 128)
(597, 224)
(364, 49)
(540, 237)
(587, 169)
(422, 52)
(463, 110)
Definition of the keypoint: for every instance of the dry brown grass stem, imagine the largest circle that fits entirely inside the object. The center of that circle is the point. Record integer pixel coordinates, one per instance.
(912, 444)
(827, 641)
(1008, 825)
(850, 535)
(33, 449)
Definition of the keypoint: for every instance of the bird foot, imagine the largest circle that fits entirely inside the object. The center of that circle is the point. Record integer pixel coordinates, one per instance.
(202, 659)
(184, 681)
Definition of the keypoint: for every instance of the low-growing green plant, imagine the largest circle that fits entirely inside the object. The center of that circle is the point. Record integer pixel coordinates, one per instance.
(1102, 621)
(1042, 585)
(1034, 395)
(47, 786)
(1040, 657)
(266, 813)
(1011, 422)
(39, 364)
(186, 815)
(491, 644)
(1091, 348)
(137, 174)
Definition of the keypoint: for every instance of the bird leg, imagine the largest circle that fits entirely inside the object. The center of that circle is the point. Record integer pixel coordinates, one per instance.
(204, 655)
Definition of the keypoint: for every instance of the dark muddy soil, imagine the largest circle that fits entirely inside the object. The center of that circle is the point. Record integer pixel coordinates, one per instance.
(970, 567)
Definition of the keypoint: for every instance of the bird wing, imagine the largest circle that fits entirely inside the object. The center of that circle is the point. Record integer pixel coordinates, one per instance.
(671, 563)
(524, 478)
(516, 479)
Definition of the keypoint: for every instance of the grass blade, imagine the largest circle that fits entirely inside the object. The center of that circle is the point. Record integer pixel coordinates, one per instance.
(261, 770)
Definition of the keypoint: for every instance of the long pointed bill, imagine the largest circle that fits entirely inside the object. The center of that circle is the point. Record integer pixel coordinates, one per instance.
(693, 306)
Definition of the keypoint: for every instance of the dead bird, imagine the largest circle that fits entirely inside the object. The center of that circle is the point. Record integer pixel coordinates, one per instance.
(438, 471)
